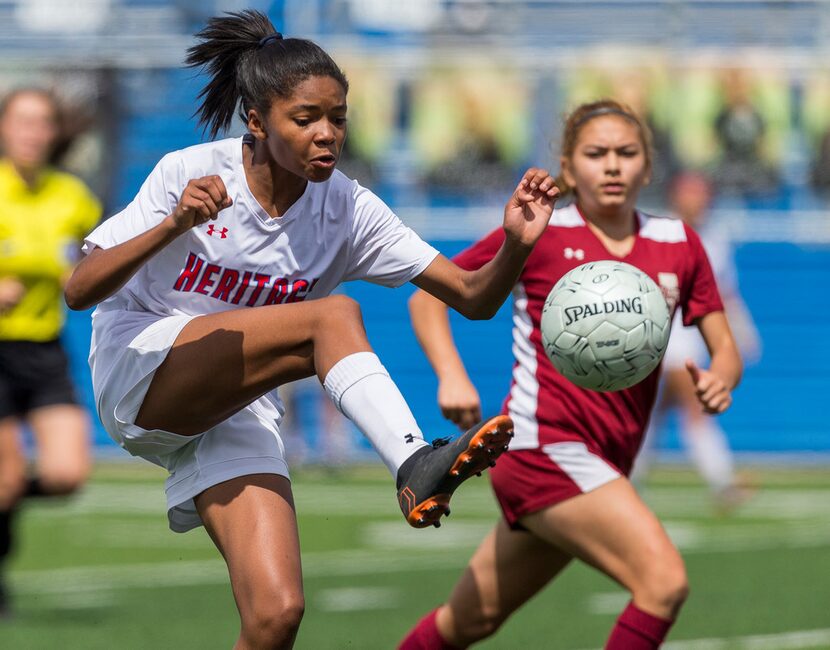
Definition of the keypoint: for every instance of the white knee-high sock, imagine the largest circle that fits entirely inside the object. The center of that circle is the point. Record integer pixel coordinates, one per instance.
(363, 391)
(710, 452)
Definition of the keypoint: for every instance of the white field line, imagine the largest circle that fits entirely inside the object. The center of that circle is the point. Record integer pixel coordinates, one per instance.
(693, 538)
(611, 602)
(79, 600)
(312, 499)
(392, 548)
(204, 572)
(795, 640)
(393, 536)
(84, 579)
(137, 533)
(352, 599)
(688, 536)
(452, 534)
(784, 504)
(316, 499)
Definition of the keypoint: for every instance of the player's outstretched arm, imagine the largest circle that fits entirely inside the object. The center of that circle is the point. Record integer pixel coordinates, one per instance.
(478, 294)
(714, 386)
(105, 270)
(457, 397)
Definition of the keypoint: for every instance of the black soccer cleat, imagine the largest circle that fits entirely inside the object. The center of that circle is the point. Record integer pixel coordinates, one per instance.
(428, 478)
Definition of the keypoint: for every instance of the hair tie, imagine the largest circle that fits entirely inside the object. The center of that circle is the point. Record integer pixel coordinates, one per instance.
(276, 36)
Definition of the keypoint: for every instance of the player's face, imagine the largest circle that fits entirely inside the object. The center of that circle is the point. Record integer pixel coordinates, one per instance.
(608, 166)
(306, 130)
(28, 129)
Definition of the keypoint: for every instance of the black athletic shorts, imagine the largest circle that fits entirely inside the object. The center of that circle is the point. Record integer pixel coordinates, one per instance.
(32, 375)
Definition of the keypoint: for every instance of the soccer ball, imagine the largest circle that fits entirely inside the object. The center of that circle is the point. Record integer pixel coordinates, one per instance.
(605, 325)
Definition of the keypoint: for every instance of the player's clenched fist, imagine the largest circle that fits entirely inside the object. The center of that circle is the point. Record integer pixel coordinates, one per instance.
(202, 199)
(712, 392)
(459, 401)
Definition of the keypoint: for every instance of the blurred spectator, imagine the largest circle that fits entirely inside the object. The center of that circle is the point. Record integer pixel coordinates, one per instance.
(703, 438)
(470, 131)
(476, 163)
(820, 167)
(814, 120)
(44, 215)
(637, 88)
(740, 129)
(373, 109)
(355, 164)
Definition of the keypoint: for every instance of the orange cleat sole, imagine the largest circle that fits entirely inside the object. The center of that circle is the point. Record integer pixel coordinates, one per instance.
(490, 441)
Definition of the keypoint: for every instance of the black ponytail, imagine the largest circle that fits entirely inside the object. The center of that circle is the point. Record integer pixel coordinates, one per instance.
(249, 64)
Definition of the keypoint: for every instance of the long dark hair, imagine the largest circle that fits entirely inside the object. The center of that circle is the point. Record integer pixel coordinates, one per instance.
(249, 69)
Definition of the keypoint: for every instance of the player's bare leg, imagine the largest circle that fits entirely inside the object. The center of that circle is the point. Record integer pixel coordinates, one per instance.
(61, 434)
(508, 568)
(251, 520)
(12, 463)
(222, 362)
(612, 529)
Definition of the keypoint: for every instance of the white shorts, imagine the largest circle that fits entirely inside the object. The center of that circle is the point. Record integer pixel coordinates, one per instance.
(528, 480)
(127, 348)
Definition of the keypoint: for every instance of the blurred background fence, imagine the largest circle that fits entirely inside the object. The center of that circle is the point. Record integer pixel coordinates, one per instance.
(450, 100)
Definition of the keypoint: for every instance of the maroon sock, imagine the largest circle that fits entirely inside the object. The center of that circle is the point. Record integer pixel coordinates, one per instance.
(637, 630)
(425, 636)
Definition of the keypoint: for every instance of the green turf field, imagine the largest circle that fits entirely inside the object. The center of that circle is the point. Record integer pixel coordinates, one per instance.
(103, 571)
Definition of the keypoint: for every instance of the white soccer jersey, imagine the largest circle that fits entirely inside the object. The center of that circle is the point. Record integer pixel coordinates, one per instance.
(337, 231)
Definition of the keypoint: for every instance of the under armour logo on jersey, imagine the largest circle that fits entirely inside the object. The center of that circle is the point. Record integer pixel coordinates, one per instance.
(213, 231)
(574, 254)
(409, 437)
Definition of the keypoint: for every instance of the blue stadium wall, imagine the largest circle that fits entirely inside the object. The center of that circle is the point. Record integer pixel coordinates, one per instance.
(780, 407)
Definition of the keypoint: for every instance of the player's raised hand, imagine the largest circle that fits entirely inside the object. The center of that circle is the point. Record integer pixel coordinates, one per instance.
(201, 201)
(459, 402)
(712, 392)
(528, 211)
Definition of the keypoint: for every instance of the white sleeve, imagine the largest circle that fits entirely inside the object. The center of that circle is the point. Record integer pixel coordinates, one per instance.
(382, 249)
(156, 199)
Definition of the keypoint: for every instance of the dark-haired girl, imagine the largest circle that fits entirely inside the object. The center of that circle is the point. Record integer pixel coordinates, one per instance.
(213, 287)
(563, 487)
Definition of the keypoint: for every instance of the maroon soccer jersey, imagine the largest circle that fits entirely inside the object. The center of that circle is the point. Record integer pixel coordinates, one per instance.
(545, 406)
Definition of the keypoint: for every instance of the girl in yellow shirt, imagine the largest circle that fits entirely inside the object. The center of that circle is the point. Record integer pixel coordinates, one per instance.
(44, 214)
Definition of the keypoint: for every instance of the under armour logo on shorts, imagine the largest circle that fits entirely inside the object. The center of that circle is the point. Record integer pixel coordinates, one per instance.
(409, 437)
(571, 254)
(222, 233)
